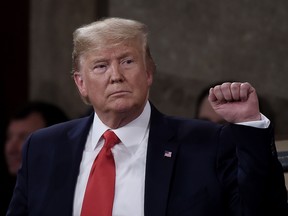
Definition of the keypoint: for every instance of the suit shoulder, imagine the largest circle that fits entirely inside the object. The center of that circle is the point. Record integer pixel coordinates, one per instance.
(192, 124)
(182, 126)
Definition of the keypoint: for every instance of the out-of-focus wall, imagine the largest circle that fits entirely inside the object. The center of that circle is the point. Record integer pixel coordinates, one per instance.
(51, 26)
(194, 43)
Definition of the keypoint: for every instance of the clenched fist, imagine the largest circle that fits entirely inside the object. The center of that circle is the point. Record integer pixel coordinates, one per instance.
(236, 102)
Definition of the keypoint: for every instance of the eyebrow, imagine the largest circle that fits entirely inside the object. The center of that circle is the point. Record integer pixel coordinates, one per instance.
(104, 59)
(125, 54)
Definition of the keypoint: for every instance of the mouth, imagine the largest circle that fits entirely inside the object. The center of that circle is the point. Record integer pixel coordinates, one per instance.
(119, 93)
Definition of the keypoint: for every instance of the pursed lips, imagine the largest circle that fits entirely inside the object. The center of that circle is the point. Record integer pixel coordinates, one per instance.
(119, 93)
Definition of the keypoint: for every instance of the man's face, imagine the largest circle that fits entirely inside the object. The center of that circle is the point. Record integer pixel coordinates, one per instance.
(116, 79)
(17, 132)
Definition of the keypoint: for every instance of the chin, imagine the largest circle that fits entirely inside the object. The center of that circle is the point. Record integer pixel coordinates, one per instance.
(123, 106)
(123, 109)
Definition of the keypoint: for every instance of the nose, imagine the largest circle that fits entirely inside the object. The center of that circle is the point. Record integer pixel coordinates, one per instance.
(116, 73)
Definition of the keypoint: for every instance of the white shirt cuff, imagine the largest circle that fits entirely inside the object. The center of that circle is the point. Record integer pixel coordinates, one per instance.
(264, 122)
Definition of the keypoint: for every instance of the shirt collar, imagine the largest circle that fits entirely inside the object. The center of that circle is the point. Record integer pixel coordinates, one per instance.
(131, 135)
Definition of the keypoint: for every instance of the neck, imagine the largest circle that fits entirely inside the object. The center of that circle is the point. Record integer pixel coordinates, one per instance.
(117, 120)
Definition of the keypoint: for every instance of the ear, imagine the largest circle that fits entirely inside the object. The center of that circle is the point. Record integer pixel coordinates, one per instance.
(79, 81)
(149, 77)
(150, 70)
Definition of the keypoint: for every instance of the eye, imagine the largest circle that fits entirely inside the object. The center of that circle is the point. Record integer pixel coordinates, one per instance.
(127, 62)
(100, 67)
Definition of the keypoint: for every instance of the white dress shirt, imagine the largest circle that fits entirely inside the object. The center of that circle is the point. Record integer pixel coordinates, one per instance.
(130, 161)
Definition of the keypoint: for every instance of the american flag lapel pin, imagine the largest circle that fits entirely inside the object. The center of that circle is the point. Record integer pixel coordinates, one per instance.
(167, 154)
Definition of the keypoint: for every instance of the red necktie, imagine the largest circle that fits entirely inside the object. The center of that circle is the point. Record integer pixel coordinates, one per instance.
(99, 194)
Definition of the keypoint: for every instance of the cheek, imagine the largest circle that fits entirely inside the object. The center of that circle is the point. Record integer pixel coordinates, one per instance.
(13, 146)
(95, 89)
(145, 81)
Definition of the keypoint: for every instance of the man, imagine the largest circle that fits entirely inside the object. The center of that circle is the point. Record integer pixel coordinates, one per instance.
(33, 116)
(163, 165)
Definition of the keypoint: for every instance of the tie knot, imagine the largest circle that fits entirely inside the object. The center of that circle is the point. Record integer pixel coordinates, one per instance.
(111, 139)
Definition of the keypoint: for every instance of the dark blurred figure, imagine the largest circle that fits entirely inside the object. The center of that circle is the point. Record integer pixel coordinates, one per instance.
(4, 172)
(31, 117)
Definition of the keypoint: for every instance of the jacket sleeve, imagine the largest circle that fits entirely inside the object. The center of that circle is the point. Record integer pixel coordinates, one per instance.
(250, 173)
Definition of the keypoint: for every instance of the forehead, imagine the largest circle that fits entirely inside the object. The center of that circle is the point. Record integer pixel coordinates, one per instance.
(115, 50)
(33, 121)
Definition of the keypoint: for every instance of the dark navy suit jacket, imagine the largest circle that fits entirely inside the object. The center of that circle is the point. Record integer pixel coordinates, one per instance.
(212, 170)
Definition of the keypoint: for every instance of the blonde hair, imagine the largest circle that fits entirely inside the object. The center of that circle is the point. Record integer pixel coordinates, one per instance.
(109, 32)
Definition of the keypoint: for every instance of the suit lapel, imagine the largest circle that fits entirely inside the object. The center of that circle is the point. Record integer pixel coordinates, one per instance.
(161, 155)
(69, 156)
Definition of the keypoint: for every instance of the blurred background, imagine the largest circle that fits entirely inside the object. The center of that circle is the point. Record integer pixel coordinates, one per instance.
(194, 43)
